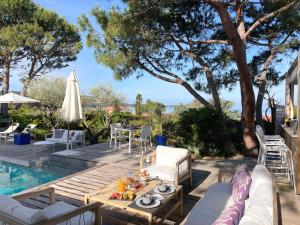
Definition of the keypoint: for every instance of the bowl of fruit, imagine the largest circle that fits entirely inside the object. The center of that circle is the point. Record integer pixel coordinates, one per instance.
(126, 196)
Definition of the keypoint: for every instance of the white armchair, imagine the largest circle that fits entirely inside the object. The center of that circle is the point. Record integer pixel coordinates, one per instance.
(169, 164)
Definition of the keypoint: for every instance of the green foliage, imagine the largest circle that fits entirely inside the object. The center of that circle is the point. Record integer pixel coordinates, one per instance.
(204, 129)
(50, 91)
(103, 96)
(138, 104)
(26, 115)
(52, 43)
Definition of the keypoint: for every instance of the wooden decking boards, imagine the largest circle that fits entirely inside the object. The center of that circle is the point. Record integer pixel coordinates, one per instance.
(112, 165)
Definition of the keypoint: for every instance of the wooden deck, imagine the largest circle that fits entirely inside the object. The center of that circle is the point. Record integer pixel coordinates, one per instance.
(112, 165)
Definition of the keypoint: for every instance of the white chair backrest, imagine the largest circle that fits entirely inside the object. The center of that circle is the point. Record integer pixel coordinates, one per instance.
(169, 156)
(77, 134)
(29, 128)
(113, 127)
(146, 131)
(260, 134)
(12, 128)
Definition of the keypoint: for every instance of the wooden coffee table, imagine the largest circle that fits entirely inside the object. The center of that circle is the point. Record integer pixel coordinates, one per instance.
(169, 204)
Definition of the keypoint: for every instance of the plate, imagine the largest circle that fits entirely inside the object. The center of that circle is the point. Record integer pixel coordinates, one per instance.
(170, 189)
(154, 204)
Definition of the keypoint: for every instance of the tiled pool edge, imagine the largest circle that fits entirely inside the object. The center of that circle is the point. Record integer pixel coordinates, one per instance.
(15, 161)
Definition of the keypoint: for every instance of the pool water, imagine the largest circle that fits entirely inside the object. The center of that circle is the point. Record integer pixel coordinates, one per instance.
(15, 178)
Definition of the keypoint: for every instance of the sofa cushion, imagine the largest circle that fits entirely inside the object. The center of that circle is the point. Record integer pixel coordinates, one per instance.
(232, 214)
(241, 182)
(260, 176)
(257, 216)
(58, 133)
(20, 212)
(209, 208)
(62, 208)
(165, 173)
(168, 156)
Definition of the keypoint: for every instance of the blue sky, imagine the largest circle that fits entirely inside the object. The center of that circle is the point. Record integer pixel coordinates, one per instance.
(90, 73)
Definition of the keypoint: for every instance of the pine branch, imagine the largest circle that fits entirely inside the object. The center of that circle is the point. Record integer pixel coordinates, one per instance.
(269, 16)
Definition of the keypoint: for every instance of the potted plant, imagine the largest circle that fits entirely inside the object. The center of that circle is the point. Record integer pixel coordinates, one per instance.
(157, 123)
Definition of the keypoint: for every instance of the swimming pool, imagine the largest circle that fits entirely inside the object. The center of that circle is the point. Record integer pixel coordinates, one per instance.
(15, 178)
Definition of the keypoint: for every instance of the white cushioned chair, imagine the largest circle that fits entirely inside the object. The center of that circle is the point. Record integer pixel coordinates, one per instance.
(60, 136)
(12, 212)
(169, 164)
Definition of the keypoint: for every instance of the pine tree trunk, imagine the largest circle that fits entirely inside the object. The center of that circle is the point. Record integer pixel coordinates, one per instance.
(26, 84)
(212, 88)
(262, 87)
(248, 103)
(5, 86)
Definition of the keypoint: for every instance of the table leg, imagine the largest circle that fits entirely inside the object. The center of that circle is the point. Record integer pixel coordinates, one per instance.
(150, 220)
(181, 202)
(129, 148)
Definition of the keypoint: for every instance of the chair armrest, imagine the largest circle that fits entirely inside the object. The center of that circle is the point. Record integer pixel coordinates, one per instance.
(188, 156)
(94, 207)
(48, 190)
(152, 156)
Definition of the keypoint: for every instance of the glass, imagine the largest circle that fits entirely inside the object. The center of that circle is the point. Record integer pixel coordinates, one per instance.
(121, 186)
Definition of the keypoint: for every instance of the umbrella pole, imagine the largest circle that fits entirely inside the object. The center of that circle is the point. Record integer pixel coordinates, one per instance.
(68, 136)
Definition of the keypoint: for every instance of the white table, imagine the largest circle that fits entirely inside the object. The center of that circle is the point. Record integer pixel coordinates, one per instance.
(129, 130)
(43, 144)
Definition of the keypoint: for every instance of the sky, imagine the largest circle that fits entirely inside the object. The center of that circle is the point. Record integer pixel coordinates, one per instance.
(90, 73)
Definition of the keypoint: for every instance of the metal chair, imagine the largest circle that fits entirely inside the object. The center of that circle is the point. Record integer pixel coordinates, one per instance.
(275, 155)
(113, 133)
(267, 142)
(144, 138)
(279, 160)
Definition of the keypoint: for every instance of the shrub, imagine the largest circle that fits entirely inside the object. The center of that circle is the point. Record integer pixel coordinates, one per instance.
(206, 130)
(25, 116)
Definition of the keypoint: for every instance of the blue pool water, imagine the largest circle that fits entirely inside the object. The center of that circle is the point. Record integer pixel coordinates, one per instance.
(15, 178)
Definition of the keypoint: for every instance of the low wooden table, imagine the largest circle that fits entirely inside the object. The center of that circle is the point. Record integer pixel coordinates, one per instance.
(170, 202)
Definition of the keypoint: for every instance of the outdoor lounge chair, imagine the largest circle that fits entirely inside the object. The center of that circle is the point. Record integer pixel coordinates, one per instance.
(4, 135)
(60, 136)
(29, 128)
(169, 164)
(12, 212)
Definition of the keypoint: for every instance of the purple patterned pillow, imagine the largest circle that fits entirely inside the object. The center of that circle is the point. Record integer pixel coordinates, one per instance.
(241, 182)
(231, 215)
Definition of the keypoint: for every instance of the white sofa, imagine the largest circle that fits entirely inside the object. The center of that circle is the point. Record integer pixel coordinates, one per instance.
(168, 164)
(260, 207)
(60, 136)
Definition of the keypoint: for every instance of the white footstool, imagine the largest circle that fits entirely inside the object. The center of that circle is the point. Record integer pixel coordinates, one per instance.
(43, 145)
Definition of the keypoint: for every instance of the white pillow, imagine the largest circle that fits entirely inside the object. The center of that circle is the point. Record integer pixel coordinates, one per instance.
(20, 212)
(59, 208)
(260, 176)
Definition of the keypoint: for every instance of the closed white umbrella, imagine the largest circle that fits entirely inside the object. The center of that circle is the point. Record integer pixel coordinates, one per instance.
(15, 98)
(71, 108)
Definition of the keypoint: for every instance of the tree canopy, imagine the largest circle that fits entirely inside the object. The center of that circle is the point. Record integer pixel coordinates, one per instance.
(33, 41)
(50, 91)
(199, 44)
